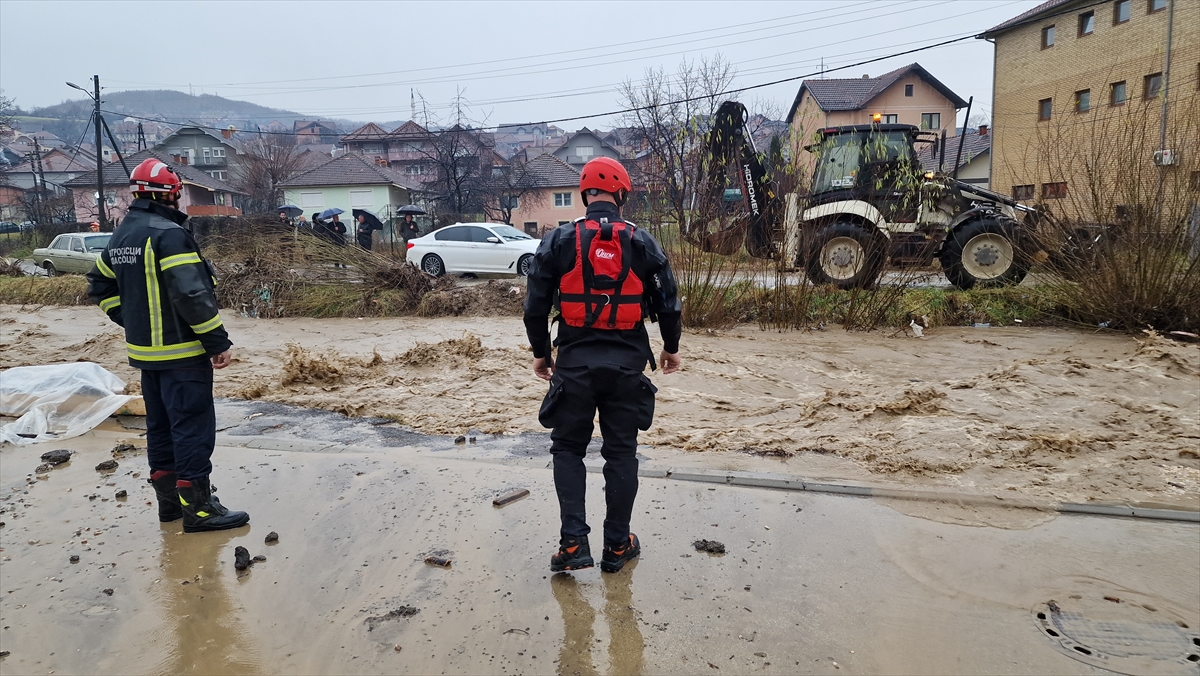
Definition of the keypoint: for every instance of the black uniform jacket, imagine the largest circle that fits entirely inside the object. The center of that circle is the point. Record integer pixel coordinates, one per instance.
(152, 281)
(580, 346)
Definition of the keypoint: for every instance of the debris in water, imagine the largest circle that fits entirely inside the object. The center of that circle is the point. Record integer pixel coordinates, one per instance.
(259, 558)
(710, 546)
(122, 493)
(43, 468)
(121, 449)
(1054, 607)
(460, 439)
(271, 537)
(74, 558)
(510, 497)
(108, 591)
(107, 466)
(397, 648)
(402, 611)
(4, 653)
(241, 558)
(1112, 598)
(438, 561)
(56, 457)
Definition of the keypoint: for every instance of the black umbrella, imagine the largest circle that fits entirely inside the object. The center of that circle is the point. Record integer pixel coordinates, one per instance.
(411, 209)
(371, 219)
(291, 210)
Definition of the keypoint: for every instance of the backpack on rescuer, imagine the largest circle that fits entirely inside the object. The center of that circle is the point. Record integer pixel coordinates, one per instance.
(602, 291)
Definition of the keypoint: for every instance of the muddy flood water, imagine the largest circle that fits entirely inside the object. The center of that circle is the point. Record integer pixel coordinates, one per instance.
(340, 437)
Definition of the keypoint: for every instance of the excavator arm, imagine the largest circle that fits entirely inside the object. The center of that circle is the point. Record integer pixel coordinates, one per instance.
(730, 143)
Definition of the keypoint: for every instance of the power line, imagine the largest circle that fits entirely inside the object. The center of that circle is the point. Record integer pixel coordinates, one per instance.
(557, 55)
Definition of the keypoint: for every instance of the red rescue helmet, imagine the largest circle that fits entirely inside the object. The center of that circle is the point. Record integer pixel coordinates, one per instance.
(605, 174)
(154, 176)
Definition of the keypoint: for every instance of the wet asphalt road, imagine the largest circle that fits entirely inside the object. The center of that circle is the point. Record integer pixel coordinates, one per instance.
(810, 583)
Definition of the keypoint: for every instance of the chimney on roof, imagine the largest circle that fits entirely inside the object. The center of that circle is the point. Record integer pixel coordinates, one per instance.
(866, 77)
(228, 131)
(983, 129)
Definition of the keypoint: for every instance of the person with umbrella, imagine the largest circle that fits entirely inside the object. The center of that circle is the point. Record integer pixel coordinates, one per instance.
(287, 212)
(367, 224)
(408, 227)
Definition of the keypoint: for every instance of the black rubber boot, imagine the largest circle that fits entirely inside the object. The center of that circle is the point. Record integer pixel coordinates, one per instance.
(573, 554)
(169, 508)
(202, 511)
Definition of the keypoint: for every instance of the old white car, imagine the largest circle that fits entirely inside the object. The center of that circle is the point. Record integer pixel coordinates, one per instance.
(473, 248)
(71, 252)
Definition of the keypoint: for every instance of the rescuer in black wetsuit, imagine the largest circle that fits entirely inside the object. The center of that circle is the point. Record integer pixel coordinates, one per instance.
(605, 276)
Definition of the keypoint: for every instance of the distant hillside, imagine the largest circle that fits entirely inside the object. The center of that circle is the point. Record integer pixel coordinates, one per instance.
(172, 105)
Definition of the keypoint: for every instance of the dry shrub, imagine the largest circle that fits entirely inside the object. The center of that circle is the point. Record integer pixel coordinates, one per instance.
(11, 267)
(64, 290)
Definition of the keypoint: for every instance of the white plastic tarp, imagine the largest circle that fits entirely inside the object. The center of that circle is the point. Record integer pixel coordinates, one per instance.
(57, 401)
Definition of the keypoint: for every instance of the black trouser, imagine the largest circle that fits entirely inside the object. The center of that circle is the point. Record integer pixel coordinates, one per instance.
(181, 422)
(625, 399)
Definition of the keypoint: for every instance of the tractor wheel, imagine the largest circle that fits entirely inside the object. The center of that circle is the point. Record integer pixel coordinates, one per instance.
(845, 255)
(983, 253)
(432, 265)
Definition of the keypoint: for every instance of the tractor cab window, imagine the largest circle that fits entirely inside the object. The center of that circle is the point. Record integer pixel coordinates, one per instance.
(837, 163)
(844, 157)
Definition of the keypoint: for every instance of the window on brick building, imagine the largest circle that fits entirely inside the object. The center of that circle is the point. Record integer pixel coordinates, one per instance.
(1047, 37)
(1121, 11)
(908, 90)
(1083, 100)
(1045, 108)
(1022, 192)
(1117, 94)
(1152, 86)
(1087, 23)
(1054, 191)
(1156, 6)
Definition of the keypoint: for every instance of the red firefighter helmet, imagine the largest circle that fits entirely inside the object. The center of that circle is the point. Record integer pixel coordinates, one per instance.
(153, 175)
(605, 175)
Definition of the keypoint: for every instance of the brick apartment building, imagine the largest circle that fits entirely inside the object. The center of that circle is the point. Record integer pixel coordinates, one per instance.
(1082, 92)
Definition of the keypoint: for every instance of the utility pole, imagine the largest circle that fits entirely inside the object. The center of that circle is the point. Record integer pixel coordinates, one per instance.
(39, 176)
(99, 159)
(141, 138)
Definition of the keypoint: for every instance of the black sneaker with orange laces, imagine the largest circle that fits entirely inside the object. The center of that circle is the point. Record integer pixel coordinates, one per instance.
(573, 554)
(614, 558)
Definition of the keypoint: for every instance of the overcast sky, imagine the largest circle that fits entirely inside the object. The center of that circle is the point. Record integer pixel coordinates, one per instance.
(512, 61)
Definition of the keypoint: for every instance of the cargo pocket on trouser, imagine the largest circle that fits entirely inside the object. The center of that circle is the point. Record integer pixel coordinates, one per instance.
(547, 415)
(646, 391)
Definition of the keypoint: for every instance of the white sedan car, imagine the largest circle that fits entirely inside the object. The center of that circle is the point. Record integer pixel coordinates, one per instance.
(474, 248)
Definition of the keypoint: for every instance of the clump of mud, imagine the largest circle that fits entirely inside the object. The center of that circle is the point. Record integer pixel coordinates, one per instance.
(494, 298)
(301, 365)
(424, 354)
(922, 401)
(402, 611)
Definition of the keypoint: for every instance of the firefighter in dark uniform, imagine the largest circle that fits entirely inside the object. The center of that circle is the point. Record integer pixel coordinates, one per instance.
(152, 281)
(605, 276)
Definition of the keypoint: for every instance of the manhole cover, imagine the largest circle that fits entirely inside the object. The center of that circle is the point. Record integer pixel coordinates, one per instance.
(1126, 646)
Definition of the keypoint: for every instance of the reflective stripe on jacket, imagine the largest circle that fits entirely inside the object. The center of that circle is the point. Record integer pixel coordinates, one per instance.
(152, 281)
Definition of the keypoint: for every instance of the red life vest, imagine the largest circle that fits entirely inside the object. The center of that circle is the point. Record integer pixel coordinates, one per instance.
(602, 291)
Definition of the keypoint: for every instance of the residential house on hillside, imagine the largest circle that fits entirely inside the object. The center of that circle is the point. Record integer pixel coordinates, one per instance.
(202, 194)
(974, 166)
(57, 166)
(511, 138)
(584, 145)
(314, 131)
(214, 153)
(420, 154)
(351, 182)
(313, 154)
(550, 198)
(1086, 98)
(908, 95)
